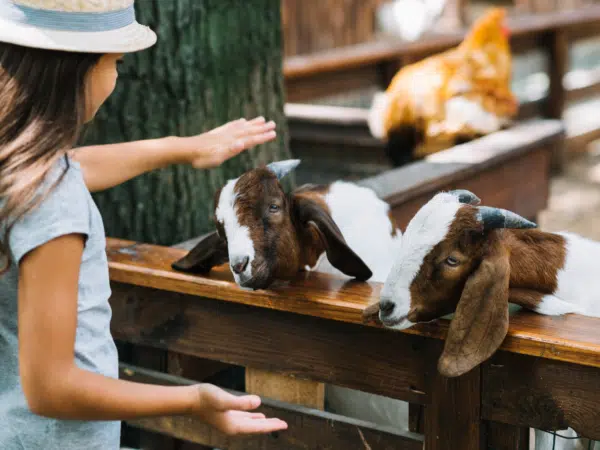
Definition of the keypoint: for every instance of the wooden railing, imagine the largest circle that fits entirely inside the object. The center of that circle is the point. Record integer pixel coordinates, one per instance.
(372, 64)
(192, 326)
(545, 375)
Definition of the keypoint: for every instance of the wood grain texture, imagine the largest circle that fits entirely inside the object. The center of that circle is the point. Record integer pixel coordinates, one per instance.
(372, 64)
(323, 135)
(416, 418)
(308, 429)
(375, 52)
(452, 421)
(314, 26)
(558, 46)
(536, 392)
(500, 436)
(285, 388)
(310, 348)
(570, 338)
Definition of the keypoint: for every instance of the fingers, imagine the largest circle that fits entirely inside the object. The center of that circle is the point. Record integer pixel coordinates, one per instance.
(249, 142)
(255, 426)
(246, 415)
(229, 401)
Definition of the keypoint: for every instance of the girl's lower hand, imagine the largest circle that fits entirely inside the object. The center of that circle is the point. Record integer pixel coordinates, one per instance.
(214, 147)
(231, 414)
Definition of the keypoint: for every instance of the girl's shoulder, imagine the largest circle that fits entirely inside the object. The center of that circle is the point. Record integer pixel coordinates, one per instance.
(65, 209)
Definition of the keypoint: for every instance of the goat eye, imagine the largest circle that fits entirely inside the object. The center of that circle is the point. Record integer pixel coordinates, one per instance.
(273, 208)
(452, 261)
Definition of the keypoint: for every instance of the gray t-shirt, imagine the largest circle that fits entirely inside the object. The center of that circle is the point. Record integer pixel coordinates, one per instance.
(69, 208)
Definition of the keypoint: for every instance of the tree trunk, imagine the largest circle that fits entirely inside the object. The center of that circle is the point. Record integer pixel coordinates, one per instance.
(215, 61)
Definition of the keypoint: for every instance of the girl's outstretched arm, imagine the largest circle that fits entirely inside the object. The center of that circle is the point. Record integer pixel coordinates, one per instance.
(56, 387)
(105, 166)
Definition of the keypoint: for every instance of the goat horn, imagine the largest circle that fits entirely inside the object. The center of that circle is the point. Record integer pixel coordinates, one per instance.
(282, 168)
(465, 196)
(501, 218)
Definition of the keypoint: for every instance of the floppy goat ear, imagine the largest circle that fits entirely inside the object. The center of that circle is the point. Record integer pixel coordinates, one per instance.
(211, 251)
(480, 322)
(311, 214)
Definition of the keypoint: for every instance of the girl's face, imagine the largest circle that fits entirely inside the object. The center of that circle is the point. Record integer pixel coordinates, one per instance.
(101, 83)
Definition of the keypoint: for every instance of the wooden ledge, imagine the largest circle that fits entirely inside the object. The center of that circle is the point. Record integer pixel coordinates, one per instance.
(571, 338)
(313, 294)
(436, 170)
(389, 48)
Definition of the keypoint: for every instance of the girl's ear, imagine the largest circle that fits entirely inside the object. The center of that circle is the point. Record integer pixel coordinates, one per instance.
(310, 214)
(211, 251)
(480, 322)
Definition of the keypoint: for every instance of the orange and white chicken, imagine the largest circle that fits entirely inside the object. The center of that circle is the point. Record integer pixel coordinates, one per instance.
(448, 98)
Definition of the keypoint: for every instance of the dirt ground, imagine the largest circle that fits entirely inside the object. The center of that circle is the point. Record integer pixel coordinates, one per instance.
(574, 203)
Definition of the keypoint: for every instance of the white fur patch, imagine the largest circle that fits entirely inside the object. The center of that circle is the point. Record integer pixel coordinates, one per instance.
(578, 281)
(239, 243)
(377, 114)
(554, 306)
(426, 229)
(461, 112)
(363, 219)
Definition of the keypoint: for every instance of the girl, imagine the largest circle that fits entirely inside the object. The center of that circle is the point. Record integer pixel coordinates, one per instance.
(59, 386)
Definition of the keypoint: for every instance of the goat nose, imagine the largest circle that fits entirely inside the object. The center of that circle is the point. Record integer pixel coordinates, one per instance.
(238, 265)
(386, 307)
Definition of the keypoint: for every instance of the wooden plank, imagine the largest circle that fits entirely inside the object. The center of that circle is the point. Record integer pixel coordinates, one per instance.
(285, 388)
(500, 436)
(558, 45)
(582, 85)
(520, 185)
(133, 266)
(442, 170)
(307, 428)
(151, 358)
(359, 357)
(548, 395)
(416, 418)
(329, 83)
(313, 26)
(372, 53)
(582, 124)
(193, 368)
(452, 421)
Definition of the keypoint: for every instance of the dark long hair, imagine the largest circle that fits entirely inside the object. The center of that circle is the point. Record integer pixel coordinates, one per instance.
(42, 111)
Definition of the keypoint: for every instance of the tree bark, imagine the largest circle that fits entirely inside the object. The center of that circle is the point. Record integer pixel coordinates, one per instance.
(215, 61)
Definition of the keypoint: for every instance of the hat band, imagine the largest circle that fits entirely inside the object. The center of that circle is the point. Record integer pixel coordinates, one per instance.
(76, 21)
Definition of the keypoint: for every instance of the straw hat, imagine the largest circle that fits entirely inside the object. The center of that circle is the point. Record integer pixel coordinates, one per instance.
(90, 26)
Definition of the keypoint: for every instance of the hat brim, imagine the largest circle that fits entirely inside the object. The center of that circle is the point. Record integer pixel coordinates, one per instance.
(132, 38)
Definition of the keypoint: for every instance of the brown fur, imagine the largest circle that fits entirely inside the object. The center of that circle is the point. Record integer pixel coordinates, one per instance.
(494, 267)
(481, 320)
(436, 289)
(311, 245)
(273, 234)
(536, 258)
(286, 240)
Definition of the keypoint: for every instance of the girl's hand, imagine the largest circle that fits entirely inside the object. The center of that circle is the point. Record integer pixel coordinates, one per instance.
(230, 414)
(214, 147)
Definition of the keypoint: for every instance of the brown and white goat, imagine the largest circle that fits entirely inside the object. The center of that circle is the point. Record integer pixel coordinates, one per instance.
(458, 257)
(267, 235)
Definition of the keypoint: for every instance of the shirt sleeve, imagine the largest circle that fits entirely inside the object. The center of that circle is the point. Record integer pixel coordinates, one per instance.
(65, 210)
